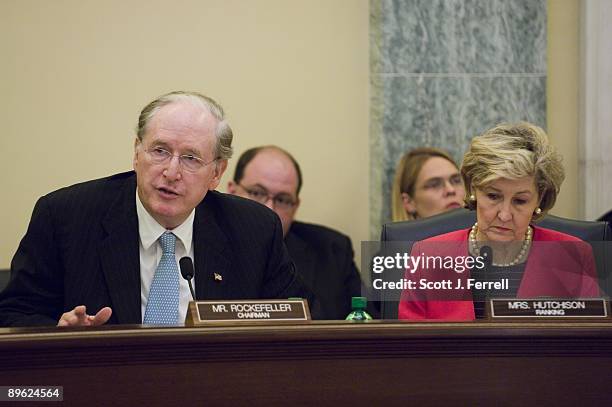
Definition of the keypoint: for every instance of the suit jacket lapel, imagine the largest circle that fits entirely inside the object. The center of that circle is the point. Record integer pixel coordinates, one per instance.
(212, 253)
(303, 259)
(119, 256)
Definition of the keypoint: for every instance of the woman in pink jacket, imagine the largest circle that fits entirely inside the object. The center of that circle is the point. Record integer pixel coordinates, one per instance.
(512, 176)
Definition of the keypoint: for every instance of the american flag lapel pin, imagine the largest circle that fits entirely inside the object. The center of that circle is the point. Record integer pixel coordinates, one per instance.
(218, 277)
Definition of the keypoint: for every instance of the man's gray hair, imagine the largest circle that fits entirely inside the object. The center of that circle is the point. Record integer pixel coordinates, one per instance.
(223, 132)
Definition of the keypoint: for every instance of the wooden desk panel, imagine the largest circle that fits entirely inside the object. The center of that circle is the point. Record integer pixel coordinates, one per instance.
(320, 363)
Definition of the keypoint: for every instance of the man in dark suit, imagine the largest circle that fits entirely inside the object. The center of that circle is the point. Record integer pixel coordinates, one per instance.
(95, 253)
(323, 257)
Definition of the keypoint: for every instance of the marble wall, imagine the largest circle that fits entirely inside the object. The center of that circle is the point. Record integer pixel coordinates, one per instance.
(442, 71)
(595, 141)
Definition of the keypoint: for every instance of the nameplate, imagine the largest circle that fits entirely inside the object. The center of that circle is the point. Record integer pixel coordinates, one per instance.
(205, 312)
(548, 308)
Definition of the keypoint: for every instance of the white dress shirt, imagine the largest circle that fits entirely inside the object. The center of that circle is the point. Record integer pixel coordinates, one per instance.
(151, 252)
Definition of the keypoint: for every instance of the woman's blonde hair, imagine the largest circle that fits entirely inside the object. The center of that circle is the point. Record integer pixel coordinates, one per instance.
(513, 151)
(406, 174)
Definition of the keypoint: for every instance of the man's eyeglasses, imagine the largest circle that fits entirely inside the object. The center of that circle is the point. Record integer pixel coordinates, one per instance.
(188, 162)
(280, 201)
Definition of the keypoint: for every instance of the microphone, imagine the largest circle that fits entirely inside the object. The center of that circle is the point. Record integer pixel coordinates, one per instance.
(487, 254)
(187, 272)
(481, 298)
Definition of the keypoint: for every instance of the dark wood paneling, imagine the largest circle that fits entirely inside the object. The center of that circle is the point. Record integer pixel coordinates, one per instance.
(325, 363)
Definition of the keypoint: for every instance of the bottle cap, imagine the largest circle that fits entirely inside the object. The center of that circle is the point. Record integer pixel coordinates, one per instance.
(359, 302)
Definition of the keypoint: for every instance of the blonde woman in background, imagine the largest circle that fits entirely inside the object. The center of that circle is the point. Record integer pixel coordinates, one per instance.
(427, 182)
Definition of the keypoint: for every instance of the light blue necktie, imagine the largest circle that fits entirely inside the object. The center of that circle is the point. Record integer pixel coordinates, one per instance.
(162, 306)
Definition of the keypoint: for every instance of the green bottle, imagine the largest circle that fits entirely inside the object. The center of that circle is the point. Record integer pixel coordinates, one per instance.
(359, 313)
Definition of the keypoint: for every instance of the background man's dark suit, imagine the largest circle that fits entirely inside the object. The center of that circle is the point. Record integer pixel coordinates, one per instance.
(324, 260)
(82, 247)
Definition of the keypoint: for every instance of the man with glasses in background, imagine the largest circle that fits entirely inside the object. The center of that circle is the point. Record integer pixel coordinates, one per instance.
(323, 257)
(107, 250)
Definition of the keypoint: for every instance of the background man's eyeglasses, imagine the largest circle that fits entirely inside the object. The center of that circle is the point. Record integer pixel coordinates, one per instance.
(280, 201)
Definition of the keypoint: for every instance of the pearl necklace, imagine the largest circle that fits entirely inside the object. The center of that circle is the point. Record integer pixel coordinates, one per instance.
(475, 250)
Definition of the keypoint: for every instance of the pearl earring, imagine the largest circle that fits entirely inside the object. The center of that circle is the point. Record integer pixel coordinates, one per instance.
(538, 211)
(472, 198)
